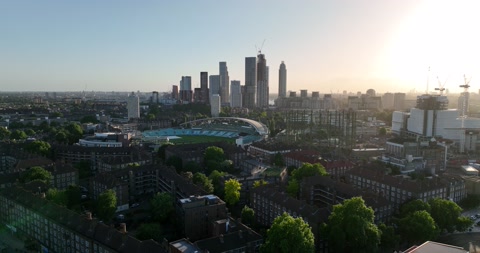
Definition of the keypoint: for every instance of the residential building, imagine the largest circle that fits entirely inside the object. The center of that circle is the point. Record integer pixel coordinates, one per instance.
(268, 203)
(106, 181)
(133, 106)
(250, 82)
(282, 81)
(399, 101)
(204, 94)
(388, 101)
(224, 83)
(58, 229)
(197, 213)
(175, 94)
(235, 94)
(322, 191)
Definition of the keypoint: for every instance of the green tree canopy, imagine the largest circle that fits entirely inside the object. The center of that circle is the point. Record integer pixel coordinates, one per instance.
(216, 177)
(201, 180)
(293, 188)
(176, 162)
(4, 133)
(248, 215)
(308, 170)
(30, 132)
(162, 206)
(463, 223)
(389, 240)
(75, 132)
(192, 166)
(445, 213)
(106, 205)
(418, 227)
(214, 153)
(89, 119)
(18, 135)
(289, 235)
(413, 206)
(39, 147)
(232, 191)
(73, 194)
(351, 228)
(259, 183)
(58, 197)
(148, 231)
(36, 173)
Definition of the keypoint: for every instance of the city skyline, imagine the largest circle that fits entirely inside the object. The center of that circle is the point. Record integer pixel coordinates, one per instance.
(329, 46)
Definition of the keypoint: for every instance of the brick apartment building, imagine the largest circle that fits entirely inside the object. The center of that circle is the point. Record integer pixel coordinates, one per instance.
(58, 229)
(324, 192)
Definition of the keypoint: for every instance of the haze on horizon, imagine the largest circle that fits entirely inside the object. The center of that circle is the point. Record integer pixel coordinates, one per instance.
(327, 46)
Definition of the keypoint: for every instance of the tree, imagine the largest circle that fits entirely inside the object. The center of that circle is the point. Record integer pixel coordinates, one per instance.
(418, 227)
(61, 136)
(232, 191)
(73, 194)
(162, 206)
(36, 173)
(259, 183)
(106, 205)
(18, 135)
(176, 162)
(75, 132)
(4, 133)
(58, 197)
(413, 206)
(39, 147)
(288, 234)
(214, 153)
(89, 119)
(248, 215)
(445, 213)
(278, 160)
(308, 170)
(389, 240)
(148, 231)
(351, 228)
(382, 131)
(29, 132)
(293, 188)
(463, 223)
(192, 166)
(216, 177)
(201, 180)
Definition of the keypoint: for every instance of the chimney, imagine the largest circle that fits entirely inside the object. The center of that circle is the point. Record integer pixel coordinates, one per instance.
(221, 238)
(89, 215)
(123, 228)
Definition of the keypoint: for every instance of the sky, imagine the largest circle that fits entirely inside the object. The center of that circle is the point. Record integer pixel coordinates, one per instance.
(327, 46)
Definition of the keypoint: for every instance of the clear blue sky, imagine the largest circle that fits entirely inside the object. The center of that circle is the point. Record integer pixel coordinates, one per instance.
(148, 45)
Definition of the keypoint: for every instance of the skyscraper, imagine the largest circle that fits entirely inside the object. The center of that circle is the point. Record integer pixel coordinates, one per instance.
(282, 81)
(214, 86)
(224, 83)
(235, 94)
(262, 81)
(250, 82)
(204, 96)
(133, 106)
(186, 89)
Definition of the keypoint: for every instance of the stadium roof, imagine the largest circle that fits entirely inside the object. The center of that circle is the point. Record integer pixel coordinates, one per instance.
(261, 128)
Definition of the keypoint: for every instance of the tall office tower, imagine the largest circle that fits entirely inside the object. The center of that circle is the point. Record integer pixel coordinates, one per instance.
(215, 105)
(175, 91)
(399, 101)
(463, 103)
(387, 101)
(224, 83)
(235, 94)
(133, 106)
(250, 82)
(262, 81)
(214, 86)
(204, 96)
(282, 81)
(186, 89)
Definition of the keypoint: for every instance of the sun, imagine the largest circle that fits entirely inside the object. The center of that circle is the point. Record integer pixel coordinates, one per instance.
(437, 38)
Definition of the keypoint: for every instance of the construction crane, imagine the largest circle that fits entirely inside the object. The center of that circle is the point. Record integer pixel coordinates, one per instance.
(466, 85)
(259, 50)
(441, 87)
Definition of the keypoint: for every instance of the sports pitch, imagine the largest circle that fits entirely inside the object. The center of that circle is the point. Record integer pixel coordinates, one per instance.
(192, 139)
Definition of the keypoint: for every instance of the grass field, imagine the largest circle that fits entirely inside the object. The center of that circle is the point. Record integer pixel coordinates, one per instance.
(189, 139)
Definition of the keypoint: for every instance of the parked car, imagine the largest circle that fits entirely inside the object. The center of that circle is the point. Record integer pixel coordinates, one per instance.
(135, 205)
